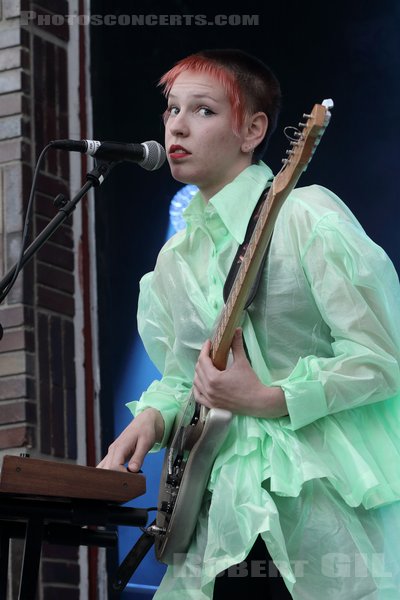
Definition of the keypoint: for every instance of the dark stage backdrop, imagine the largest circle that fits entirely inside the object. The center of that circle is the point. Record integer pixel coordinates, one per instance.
(347, 51)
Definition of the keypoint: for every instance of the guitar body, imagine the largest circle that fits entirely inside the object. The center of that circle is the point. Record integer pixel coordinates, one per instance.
(199, 433)
(192, 474)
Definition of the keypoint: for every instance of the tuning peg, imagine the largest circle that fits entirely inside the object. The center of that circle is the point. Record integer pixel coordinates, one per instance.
(328, 103)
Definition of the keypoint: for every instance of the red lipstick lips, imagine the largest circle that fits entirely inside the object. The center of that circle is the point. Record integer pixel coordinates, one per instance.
(177, 151)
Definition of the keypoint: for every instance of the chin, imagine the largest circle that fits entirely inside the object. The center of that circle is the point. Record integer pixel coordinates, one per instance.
(182, 177)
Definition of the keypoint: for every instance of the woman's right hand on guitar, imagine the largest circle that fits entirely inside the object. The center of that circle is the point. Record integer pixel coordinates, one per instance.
(132, 445)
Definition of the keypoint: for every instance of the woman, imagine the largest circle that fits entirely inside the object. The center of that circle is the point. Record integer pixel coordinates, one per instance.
(310, 463)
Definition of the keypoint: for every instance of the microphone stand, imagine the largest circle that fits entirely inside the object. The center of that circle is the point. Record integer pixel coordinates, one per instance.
(93, 179)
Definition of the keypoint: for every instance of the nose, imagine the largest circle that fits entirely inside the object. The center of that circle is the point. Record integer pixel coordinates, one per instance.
(178, 125)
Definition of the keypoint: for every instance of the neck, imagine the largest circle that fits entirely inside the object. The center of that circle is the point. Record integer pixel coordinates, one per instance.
(211, 189)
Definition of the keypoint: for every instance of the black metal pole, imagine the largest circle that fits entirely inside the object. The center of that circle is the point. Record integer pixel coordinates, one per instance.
(94, 179)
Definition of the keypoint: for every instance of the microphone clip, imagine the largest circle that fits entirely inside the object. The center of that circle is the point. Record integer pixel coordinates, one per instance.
(100, 172)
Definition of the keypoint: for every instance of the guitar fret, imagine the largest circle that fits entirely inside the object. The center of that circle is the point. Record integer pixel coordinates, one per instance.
(216, 341)
(224, 320)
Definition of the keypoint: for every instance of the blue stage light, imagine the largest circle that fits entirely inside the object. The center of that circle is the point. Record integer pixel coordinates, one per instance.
(178, 204)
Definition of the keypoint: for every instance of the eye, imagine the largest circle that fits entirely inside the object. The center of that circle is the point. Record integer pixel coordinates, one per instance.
(205, 111)
(172, 110)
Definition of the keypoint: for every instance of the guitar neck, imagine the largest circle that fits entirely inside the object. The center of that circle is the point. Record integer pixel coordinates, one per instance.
(285, 181)
(232, 312)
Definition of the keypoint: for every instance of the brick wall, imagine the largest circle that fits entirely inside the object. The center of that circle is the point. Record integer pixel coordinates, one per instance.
(37, 362)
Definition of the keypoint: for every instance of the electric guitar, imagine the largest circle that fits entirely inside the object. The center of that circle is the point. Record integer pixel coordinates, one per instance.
(199, 432)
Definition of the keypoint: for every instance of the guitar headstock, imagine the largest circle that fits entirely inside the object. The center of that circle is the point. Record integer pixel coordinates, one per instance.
(304, 140)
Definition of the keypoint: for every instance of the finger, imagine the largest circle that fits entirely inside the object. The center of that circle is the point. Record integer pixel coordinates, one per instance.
(199, 394)
(106, 463)
(102, 463)
(137, 458)
(118, 468)
(197, 389)
(205, 350)
(203, 400)
(237, 344)
(200, 376)
(114, 459)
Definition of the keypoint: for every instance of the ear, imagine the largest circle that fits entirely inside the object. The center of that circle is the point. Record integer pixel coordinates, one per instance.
(254, 130)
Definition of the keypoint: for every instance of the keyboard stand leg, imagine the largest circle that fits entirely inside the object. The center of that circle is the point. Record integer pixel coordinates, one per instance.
(31, 559)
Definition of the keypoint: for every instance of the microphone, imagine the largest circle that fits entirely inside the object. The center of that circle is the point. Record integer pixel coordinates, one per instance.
(149, 155)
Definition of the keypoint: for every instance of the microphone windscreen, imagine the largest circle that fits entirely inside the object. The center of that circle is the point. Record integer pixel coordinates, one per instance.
(155, 156)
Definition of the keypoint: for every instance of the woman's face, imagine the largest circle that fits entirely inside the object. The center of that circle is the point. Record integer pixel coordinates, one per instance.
(202, 148)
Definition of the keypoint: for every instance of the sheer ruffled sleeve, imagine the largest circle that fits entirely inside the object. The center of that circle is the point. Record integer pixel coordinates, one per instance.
(156, 330)
(356, 289)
